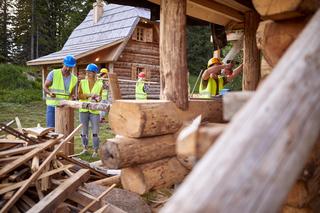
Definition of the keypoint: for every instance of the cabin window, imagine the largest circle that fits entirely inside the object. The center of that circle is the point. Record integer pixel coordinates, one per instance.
(143, 34)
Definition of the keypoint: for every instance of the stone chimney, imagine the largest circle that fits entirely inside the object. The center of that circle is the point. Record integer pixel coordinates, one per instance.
(97, 11)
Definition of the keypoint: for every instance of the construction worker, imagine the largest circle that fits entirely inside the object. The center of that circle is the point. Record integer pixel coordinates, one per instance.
(213, 80)
(141, 87)
(90, 90)
(105, 93)
(59, 85)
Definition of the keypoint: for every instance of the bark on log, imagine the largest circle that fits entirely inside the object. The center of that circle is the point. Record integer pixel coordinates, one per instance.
(85, 105)
(285, 9)
(251, 54)
(136, 119)
(197, 142)
(173, 52)
(274, 38)
(158, 174)
(266, 145)
(120, 152)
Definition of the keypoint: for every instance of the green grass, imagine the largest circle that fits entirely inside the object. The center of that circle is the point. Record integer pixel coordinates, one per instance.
(30, 114)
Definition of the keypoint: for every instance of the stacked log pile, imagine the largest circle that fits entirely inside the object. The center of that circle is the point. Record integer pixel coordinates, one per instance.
(144, 147)
(36, 177)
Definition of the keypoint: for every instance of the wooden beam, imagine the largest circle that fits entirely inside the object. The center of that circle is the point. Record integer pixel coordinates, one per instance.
(234, 101)
(59, 194)
(251, 53)
(108, 181)
(173, 52)
(17, 150)
(285, 9)
(265, 147)
(134, 118)
(64, 124)
(35, 175)
(219, 8)
(120, 152)
(274, 37)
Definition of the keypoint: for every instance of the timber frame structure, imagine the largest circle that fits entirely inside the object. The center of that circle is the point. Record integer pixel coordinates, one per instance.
(257, 159)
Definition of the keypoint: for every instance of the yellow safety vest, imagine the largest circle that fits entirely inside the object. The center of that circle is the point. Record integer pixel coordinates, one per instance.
(105, 95)
(212, 88)
(140, 94)
(86, 91)
(57, 87)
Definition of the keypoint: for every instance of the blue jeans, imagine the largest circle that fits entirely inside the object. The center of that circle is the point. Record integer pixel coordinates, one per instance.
(85, 118)
(50, 116)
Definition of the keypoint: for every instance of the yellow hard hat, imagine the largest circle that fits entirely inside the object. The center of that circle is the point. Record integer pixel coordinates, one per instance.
(213, 61)
(104, 70)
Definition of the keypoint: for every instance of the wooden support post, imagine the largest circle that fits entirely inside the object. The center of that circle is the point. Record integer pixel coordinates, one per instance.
(265, 147)
(64, 124)
(251, 53)
(173, 52)
(44, 76)
(114, 86)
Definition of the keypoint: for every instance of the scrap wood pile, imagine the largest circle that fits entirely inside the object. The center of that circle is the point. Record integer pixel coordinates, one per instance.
(145, 145)
(36, 177)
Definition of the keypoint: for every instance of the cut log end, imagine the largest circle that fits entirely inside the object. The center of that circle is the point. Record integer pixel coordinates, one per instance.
(132, 179)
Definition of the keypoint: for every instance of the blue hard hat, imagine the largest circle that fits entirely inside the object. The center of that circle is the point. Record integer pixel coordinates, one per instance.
(69, 61)
(92, 68)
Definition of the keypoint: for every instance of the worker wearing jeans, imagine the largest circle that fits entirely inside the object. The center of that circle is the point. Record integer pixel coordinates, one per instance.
(90, 90)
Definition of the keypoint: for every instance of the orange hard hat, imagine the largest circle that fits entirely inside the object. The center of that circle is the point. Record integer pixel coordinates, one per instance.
(141, 75)
(213, 61)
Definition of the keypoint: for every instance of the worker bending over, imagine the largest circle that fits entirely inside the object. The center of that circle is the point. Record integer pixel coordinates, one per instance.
(59, 85)
(142, 89)
(216, 76)
(90, 90)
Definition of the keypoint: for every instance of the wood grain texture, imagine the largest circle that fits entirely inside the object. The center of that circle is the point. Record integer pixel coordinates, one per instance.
(257, 159)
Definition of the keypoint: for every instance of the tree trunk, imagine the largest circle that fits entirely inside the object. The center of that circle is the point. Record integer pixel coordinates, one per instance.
(274, 38)
(132, 118)
(120, 152)
(265, 147)
(173, 52)
(158, 174)
(285, 9)
(64, 124)
(251, 53)
(197, 142)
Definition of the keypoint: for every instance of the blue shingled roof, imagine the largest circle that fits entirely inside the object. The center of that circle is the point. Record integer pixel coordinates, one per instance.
(116, 24)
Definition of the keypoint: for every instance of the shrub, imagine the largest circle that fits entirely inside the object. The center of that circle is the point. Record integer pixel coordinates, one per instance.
(20, 96)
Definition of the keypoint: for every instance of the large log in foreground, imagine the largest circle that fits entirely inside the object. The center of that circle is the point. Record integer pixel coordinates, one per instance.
(85, 105)
(135, 118)
(158, 174)
(120, 152)
(257, 159)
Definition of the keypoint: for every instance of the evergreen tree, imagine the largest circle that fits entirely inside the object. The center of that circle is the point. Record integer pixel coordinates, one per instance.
(5, 35)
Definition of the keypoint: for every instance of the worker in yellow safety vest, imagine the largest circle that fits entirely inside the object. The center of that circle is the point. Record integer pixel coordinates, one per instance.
(141, 88)
(59, 85)
(216, 76)
(105, 93)
(90, 90)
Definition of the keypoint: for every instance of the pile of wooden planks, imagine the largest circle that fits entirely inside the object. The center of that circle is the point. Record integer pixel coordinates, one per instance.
(145, 145)
(36, 177)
